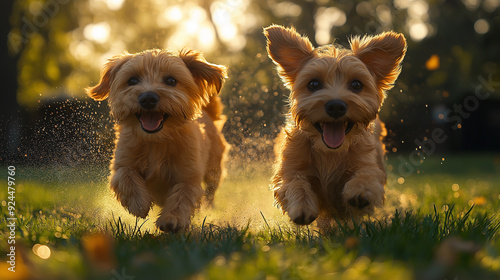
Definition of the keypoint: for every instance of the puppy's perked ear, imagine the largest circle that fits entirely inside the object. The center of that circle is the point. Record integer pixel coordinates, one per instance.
(207, 76)
(288, 50)
(100, 91)
(382, 55)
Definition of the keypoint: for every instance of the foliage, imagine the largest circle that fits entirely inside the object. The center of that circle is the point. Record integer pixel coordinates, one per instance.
(62, 44)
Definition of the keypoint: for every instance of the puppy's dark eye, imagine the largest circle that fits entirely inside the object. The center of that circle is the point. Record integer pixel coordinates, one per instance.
(314, 85)
(133, 81)
(169, 81)
(356, 86)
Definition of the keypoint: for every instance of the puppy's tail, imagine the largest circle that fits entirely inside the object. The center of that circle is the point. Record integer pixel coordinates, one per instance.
(214, 110)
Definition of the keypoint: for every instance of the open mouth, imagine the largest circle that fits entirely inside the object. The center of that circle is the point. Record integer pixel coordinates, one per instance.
(151, 122)
(333, 133)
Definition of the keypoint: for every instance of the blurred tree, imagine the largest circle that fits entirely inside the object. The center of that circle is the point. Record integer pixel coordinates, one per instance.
(9, 132)
(60, 45)
(40, 38)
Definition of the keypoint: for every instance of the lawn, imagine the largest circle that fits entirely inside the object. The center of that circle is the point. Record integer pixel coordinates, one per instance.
(440, 222)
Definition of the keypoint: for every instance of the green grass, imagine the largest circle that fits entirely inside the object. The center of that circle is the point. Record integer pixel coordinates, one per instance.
(439, 223)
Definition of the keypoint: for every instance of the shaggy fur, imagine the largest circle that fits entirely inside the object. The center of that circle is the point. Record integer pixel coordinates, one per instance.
(168, 119)
(330, 163)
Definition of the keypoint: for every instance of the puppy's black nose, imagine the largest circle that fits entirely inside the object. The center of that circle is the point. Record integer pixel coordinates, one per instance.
(148, 100)
(336, 108)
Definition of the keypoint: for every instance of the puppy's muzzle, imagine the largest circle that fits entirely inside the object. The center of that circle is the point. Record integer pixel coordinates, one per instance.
(148, 100)
(151, 120)
(333, 132)
(336, 108)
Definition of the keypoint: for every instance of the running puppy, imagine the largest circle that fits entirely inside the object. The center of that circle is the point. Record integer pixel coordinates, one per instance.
(331, 161)
(168, 121)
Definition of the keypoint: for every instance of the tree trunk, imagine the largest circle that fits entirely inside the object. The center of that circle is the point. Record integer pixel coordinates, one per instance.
(9, 108)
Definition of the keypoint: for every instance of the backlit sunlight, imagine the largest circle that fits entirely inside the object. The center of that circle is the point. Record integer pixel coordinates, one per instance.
(97, 32)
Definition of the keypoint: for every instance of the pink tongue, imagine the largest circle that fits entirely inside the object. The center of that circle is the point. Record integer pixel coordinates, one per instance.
(151, 121)
(333, 134)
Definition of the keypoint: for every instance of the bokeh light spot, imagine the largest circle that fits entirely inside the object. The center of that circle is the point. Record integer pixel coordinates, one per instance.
(114, 5)
(418, 31)
(43, 251)
(325, 19)
(418, 9)
(97, 32)
(481, 26)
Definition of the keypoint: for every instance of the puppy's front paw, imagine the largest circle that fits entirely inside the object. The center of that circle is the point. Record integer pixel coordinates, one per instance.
(361, 198)
(136, 200)
(130, 190)
(172, 223)
(358, 201)
(303, 217)
(138, 206)
(302, 207)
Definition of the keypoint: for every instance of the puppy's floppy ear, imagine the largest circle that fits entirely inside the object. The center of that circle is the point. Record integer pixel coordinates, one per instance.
(100, 91)
(207, 76)
(288, 50)
(382, 55)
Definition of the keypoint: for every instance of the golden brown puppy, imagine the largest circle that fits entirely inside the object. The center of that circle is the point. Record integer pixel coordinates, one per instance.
(331, 160)
(168, 119)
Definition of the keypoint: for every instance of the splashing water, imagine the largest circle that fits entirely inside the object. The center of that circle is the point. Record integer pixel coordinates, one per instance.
(68, 144)
(72, 143)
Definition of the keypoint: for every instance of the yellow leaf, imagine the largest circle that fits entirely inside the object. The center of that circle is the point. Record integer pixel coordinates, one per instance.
(99, 250)
(432, 63)
(479, 200)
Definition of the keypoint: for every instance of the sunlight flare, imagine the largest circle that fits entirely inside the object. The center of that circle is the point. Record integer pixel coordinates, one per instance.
(230, 20)
(114, 5)
(325, 19)
(170, 16)
(97, 32)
